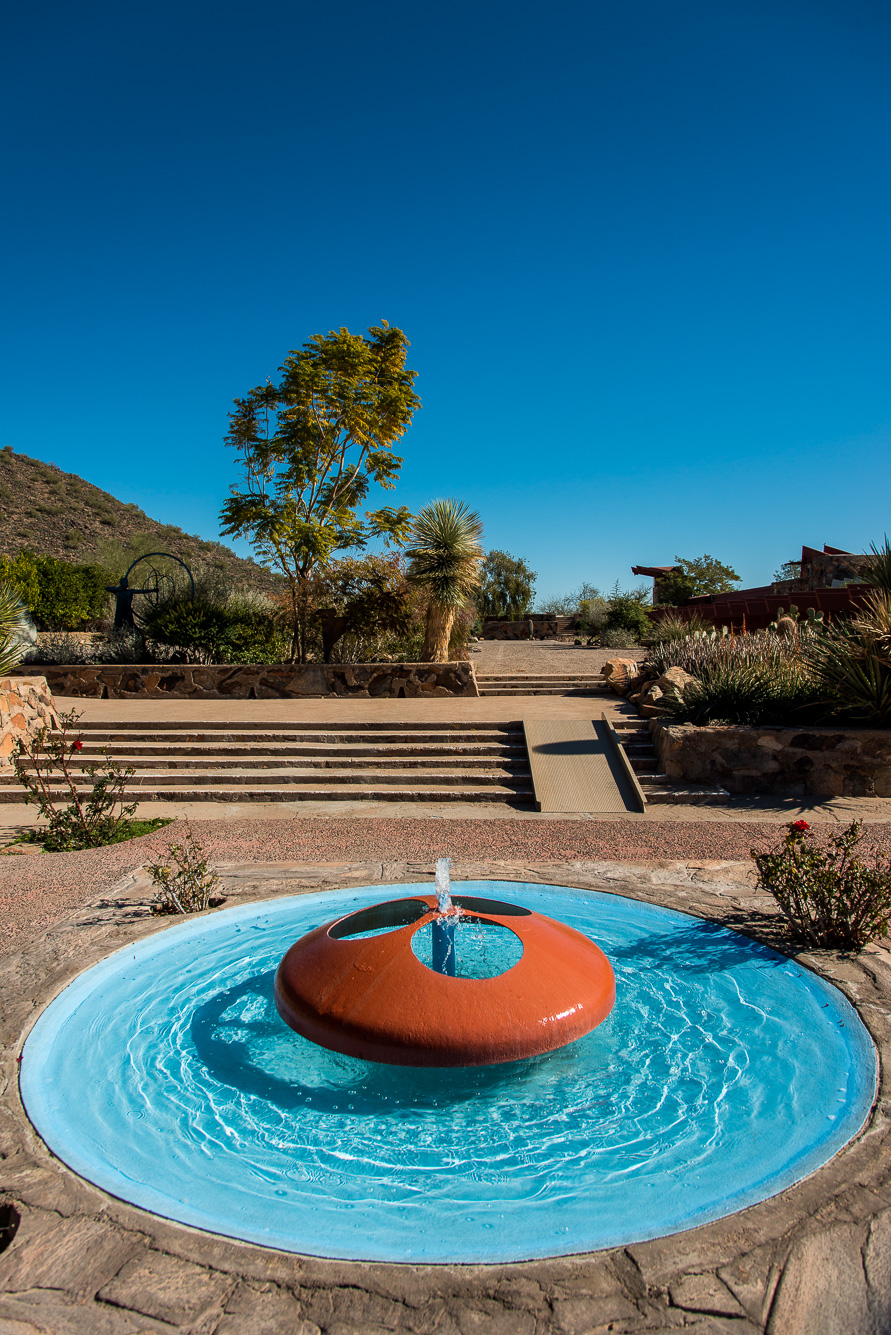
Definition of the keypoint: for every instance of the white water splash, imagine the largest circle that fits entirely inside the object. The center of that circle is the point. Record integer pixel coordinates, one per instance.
(444, 885)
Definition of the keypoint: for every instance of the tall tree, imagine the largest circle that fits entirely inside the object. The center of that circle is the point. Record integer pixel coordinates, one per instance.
(444, 555)
(506, 586)
(309, 448)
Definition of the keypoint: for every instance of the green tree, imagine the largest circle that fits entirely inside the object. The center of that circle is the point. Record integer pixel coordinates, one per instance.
(702, 574)
(310, 446)
(788, 570)
(444, 556)
(506, 586)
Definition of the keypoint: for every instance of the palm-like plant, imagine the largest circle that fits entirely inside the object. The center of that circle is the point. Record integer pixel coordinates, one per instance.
(13, 629)
(444, 555)
(878, 571)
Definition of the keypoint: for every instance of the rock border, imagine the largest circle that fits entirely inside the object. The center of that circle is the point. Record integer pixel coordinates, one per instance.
(814, 1260)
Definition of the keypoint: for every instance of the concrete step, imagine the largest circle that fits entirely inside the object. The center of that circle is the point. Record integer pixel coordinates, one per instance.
(131, 752)
(642, 764)
(510, 734)
(274, 728)
(336, 772)
(538, 690)
(327, 792)
(249, 763)
(688, 794)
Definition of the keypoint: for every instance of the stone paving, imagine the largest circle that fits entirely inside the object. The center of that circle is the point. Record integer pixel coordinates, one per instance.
(814, 1260)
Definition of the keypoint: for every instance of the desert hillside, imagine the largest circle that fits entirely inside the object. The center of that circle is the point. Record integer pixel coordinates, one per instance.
(60, 514)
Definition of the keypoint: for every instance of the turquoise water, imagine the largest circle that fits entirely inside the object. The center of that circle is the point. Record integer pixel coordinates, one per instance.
(724, 1073)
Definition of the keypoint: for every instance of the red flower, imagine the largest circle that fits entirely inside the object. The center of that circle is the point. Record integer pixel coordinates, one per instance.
(801, 825)
(77, 746)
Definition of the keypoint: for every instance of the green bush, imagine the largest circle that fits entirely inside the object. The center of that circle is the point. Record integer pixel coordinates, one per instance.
(58, 594)
(626, 610)
(205, 631)
(829, 896)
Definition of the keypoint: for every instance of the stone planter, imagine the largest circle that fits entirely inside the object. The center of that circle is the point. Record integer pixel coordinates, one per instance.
(284, 681)
(817, 762)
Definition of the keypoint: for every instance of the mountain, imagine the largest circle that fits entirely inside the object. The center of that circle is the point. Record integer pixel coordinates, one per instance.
(60, 514)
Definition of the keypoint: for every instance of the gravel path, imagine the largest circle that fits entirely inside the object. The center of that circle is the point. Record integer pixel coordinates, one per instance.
(543, 656)
(36, 890)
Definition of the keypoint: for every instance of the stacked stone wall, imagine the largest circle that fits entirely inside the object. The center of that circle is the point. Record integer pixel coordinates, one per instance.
(262, 682)
(817, 762)
(26, 704)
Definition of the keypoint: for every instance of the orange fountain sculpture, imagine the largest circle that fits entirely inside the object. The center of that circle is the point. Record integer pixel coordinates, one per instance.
(371, 997)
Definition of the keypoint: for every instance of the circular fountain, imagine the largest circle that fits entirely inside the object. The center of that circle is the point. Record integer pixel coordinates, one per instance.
(724, 1073)
(372, 986)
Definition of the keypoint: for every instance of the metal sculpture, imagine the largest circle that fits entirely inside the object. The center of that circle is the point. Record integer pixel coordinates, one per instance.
(159, 583)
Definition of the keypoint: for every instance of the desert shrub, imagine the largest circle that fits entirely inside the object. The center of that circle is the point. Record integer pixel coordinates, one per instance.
(830, 897)
(699, 651)
(675, 626)
(185, 883)
(626, 610)
(751, 695)
(593, 613)
(66, 647)
(616, 639)
(58, 594)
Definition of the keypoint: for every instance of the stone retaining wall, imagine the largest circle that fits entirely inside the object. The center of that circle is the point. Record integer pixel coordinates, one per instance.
(544, 627)
(820, 762)
(261, 682)
(26, 704)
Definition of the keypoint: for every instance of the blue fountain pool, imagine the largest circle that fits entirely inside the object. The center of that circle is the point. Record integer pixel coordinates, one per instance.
(725, 1073)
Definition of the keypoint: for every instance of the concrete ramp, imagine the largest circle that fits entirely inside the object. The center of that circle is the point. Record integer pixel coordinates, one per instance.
(579, 765)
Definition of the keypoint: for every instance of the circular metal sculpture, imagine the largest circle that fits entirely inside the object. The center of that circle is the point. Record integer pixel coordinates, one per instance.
(357, 986)
(158, 584)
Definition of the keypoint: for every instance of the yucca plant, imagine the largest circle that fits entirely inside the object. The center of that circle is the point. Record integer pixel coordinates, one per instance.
(878, 570)
(444, 555)
(13, 629)
(852, 660)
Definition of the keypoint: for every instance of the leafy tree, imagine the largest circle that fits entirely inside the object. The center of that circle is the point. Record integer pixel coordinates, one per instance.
(310, 446)
(444, 558)
(702, 574)
(366, 602)
(788, 570)
(506, 586)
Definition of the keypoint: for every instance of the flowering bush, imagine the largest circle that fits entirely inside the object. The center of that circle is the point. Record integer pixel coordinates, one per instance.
(43, 763)
(829, 895)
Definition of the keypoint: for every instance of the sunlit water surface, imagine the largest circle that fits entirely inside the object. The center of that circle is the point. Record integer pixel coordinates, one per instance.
(724, 1073)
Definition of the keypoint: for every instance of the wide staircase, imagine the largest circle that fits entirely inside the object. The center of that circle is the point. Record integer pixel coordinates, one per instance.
(305, 762)
(534, 683)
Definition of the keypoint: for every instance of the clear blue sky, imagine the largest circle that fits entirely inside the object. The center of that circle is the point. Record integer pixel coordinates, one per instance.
(641, 252)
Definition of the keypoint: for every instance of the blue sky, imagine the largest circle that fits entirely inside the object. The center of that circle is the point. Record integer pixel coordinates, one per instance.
(641, 253)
